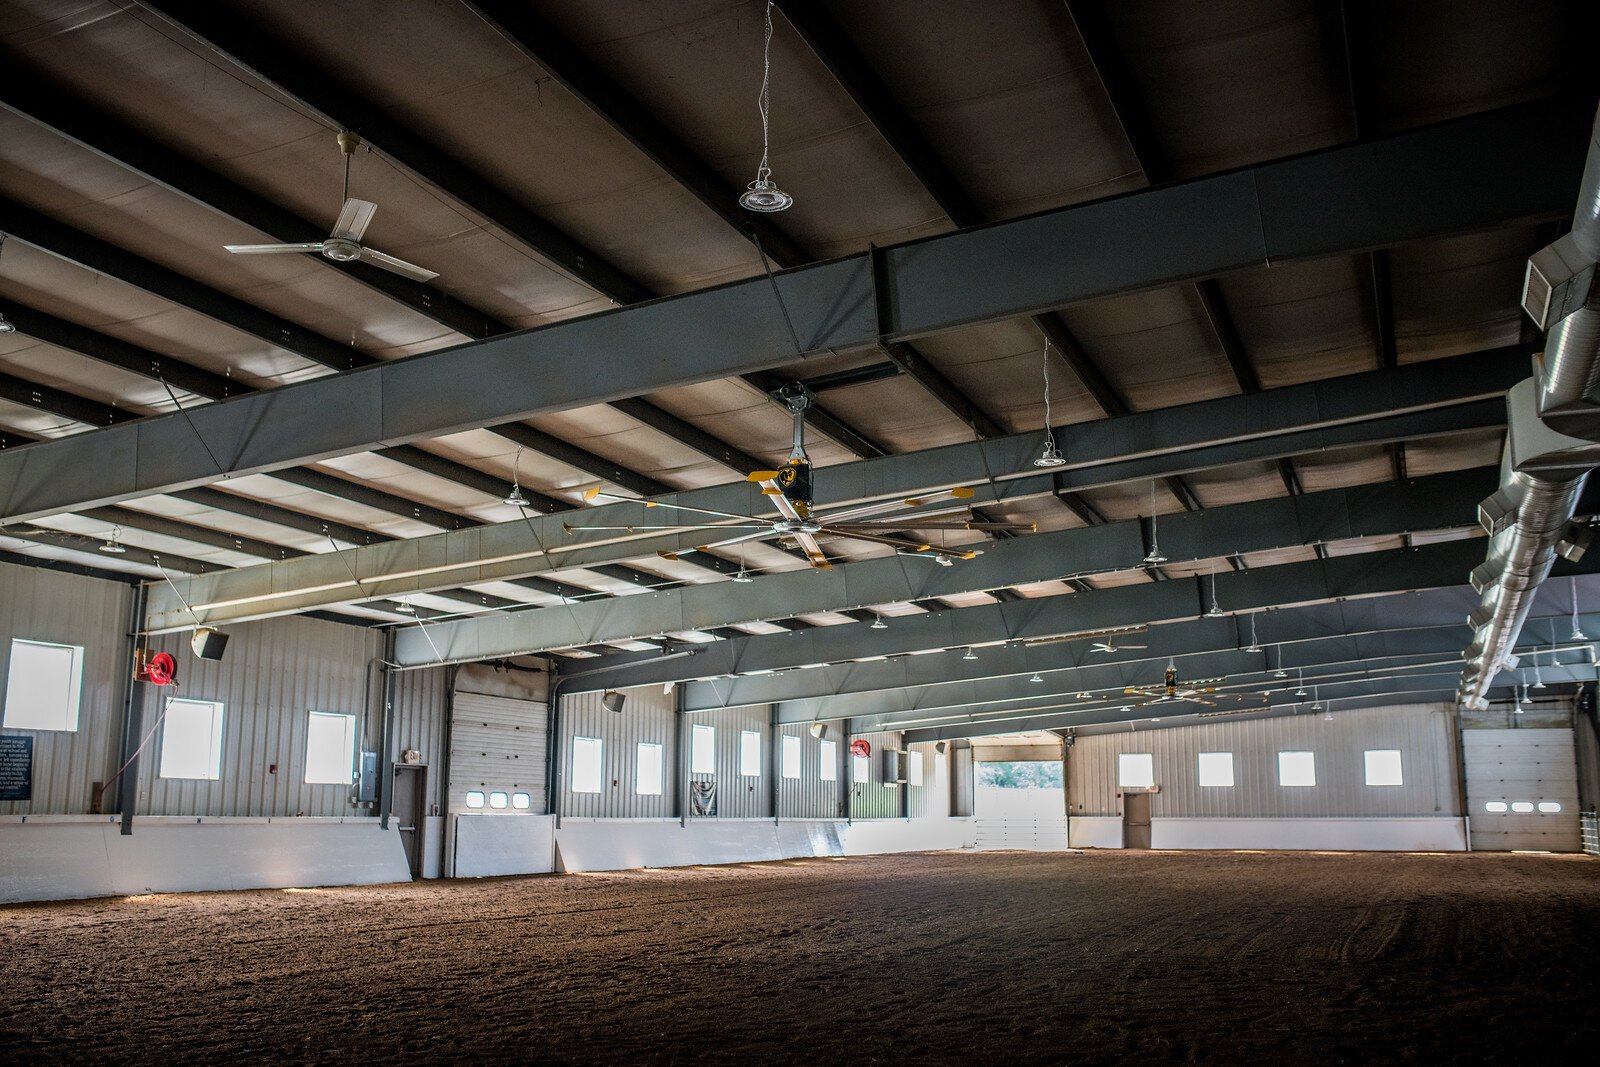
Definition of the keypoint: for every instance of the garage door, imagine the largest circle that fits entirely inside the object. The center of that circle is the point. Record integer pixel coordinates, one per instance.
(497, 755)
(1522, 790)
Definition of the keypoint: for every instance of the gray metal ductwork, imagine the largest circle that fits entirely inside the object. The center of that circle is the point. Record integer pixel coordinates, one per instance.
(1554, 424)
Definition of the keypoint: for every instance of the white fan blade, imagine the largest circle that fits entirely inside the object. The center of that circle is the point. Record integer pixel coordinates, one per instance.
(398, 266)
(269, 250)
(354, 219)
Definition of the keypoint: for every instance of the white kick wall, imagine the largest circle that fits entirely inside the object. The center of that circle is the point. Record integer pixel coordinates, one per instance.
(1340, 811)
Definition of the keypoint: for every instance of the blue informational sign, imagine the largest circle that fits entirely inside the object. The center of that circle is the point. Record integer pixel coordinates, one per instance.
(16, 768)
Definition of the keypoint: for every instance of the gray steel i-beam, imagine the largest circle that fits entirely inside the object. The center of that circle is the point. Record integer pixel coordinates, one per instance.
(1338, 200)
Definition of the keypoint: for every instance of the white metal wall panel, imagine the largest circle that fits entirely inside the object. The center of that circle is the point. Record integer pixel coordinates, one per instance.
(69, 609)
(647, 715)
(1517, 765)
(1423, 733)
(810, 797)
(962, 801)
(497, 744)
(420, 703)
(931, 800)
(740, 796)
(873, 799)
(274, 674)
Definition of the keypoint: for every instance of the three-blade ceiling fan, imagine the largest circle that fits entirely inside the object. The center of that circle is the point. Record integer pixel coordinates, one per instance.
(343, 244)
(789, 488)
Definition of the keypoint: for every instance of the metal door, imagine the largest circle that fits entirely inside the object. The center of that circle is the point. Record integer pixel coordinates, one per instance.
(1136, 820)
(1522, 789)
(407, 807)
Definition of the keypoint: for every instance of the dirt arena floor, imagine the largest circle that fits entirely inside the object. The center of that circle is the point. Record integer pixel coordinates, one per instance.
(944, 957)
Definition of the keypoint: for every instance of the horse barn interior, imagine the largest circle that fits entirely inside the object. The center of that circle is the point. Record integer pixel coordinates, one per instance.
(612, 529)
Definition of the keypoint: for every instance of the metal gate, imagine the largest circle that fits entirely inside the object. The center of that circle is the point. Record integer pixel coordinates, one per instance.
(1522, 790)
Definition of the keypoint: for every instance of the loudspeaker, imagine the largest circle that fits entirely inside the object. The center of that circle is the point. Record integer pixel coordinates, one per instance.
(612, 701)
(819, 729)
(208, 643)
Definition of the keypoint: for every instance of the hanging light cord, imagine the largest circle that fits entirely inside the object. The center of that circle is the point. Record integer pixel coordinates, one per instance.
(764, 172)
(1049, 426)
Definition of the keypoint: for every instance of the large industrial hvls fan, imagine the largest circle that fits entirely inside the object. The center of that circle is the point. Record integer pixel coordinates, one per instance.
(344, 244)
(789, 488)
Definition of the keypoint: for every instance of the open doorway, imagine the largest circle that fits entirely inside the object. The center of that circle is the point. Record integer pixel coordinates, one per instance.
(1019, 800)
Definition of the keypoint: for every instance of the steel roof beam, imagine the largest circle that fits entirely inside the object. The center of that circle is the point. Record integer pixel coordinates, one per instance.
(1442, 501)
(1341, 199)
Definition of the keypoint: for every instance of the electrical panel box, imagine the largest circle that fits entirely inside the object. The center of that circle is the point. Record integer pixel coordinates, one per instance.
(896, 767)
(367, 782)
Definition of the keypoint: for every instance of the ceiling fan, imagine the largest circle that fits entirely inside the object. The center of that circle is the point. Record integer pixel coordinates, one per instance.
(343, 244)
(789, 488)
(1171, 691)
(1110, 645)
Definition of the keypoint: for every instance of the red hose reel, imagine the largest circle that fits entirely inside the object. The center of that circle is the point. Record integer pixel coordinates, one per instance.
(860, 747)
(157, 669)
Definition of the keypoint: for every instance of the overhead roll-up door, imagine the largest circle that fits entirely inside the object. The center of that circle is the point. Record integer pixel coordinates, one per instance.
(497, 745)
(1522, 789)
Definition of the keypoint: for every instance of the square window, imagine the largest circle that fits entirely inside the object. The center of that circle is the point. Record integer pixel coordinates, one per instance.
(1136, 770)
(1216, 769)
(828, 770)
(914, 768)
(791, 757)
(1383, 767)
(647, 766)
(475, 798)
(330, 749)
(43, 685)
(191, 740)
(1297, 768)
(703, 750)
(521, 801)
(497, 800)
(861, 769)
(586, 753)
(749, 753)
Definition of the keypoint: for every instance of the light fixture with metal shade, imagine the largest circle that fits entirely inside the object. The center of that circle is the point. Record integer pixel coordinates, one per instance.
(971, 655)
(878, 624)
(113, 545)
(1301, 692)
(1577, 631)
(763, 194)
(1215, 610)
(6, 327)
(1254, 645)
(1036, 678)
(1154, 556)
(515, 498)
(1051, 456)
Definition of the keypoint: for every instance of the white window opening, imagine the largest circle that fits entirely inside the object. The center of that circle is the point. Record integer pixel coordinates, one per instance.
(1496, 806)
(749, 753)
(861, 769)
(43, 685)
(647, 769)
(330, 748)
(1549, 807)
(191, 740)
(474, 798)
(1136, 770)
(1522, 806)
(586, 753)
(828, 770)
(1216, 769)
(498, 800)
(914, 768)
(521, 801)
(1297, 768)
(703, 750)
(1383, 767)
(791, 757)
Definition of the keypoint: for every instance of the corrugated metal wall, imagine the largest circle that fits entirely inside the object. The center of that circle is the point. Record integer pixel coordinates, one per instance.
(274, 674)
(809, 797)
(740, 796)
(874, 800)
(649, 715)
(420, 700)
(963, 801)
(1424, 734)
(41, 605)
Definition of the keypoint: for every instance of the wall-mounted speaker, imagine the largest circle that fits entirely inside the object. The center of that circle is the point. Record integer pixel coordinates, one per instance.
(819, 729)
(612, 701)
(208, 643)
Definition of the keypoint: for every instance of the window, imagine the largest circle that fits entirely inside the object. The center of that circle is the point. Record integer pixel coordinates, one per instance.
(43, 685)
(586, 764)
(497, 800)
(1549, 807)
(914, 768)
(647, 766)
(1523, 806)
(1216, 769)
(191, 740)
(330, 749)
(791, 757)
(749, 753)
(861, 769)
(521, 801)
(1136, 770)
(1496, 806)
(475, 798)
(1383, 767)
(828, 770)
(1297, 768)
(703, 750)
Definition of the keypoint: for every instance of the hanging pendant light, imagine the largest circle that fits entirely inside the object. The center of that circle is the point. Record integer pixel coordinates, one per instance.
(971, 655)
(763, 194)
(742, 577)
(1154, 557)
(1215, 610)
(1577, 631)
(1301, 692)
(515, 498)
(1254, 645)
(1327, 714)
(5, 327)
(113, 545)
(1280, 672)
(878, 624)
(1051, 456)
(1538, 677)
(1036, 678)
